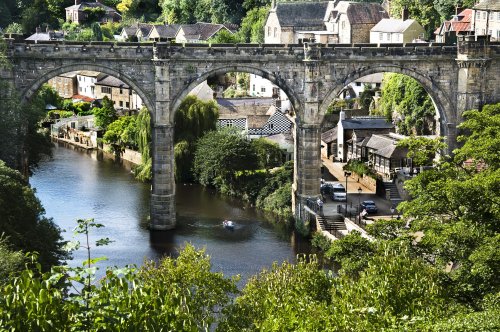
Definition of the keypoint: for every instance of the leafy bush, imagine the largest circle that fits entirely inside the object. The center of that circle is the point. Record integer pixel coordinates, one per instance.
(359, 168)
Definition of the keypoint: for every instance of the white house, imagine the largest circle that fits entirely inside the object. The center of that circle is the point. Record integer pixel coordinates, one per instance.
(86, 80)
(261, 87)
(390, 30)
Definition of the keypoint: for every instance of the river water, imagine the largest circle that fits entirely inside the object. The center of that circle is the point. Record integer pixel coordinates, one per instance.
(77, 184)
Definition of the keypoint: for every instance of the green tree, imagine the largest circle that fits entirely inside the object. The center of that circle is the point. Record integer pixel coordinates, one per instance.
(422, 150)
(422, 11)
(268, 153)
(252, 25)
(224, 37)
(220, 154)
(10, 261)
(23, 220)
(406, 102)
(121, 133)
(14, 28)
(106, 114)
(96, 31)
(456, 207)
(446, 8)
(288, 297)
(193, 119)
(143, 141)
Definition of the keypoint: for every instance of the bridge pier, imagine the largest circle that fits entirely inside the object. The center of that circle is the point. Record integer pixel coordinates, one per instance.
(163, 182)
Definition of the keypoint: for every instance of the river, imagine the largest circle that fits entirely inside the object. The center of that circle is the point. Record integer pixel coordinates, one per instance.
(77, 184)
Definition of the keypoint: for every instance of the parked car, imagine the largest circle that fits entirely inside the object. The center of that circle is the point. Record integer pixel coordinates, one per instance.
(369, 206)
(326, 189)
(339, 193)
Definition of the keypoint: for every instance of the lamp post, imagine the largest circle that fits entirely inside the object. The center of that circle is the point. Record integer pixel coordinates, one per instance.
(392, 211)
(346, 174)
(359, 204)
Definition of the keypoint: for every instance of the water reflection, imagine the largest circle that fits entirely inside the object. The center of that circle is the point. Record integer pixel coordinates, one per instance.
(76, 184)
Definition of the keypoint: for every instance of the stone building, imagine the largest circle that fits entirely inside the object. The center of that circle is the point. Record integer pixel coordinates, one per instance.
(390, 31)
(486, 19)
(82, 11)
(123, 97)
(362, 127)
(460, 23)
(351, 22)
(287, 19)
(65, 84)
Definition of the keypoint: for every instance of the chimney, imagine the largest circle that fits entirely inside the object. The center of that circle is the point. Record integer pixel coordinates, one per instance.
(458, 10)
(342, 115)
(273, 4)
(77, 2)
(38, 30)
(404, 14)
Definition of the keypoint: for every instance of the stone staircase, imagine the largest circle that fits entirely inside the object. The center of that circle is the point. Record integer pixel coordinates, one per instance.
(333, 224)
(391, 192)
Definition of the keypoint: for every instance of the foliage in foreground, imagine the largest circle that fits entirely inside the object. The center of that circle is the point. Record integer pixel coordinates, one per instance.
(179, 294)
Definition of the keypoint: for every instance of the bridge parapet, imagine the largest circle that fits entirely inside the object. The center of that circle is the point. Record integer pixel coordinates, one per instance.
(93, 50)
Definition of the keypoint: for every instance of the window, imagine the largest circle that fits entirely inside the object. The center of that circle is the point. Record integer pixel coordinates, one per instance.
(478, 15)
(253, 87)
(121, 103)
(269, 31)
(106, 89)
(381, 36)
(127, 104)
(484, 15)
(275, 32)
(388, 36)
(263, 89)
(271, 125)
(121, 90)
(498, 16)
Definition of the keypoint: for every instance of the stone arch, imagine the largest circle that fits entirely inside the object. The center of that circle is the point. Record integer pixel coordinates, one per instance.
(235, 68)
(28, 93)
(441, 100)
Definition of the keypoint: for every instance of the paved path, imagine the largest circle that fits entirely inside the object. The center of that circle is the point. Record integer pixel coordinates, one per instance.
(353, 197)
(335, 168)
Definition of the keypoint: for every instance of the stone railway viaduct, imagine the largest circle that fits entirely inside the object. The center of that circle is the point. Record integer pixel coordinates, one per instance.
(457, 78)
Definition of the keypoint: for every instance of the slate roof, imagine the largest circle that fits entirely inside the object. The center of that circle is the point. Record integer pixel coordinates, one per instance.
(167, 30)
(42, 36)
(365, 13)
(144, 28)
(130, 31)
(301, 14)
(492, 5)
(329, 135)
(88, 4)
(392, 25)
(367, 123)
(112, 81)
(201, 30)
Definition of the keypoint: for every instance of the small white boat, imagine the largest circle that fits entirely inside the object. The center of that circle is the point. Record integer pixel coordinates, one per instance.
(228, 224)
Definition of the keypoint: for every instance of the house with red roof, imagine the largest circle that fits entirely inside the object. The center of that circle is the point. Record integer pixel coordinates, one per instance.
(460, 23)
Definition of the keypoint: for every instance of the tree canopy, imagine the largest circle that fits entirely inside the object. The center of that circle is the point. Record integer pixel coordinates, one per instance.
(406, 102)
